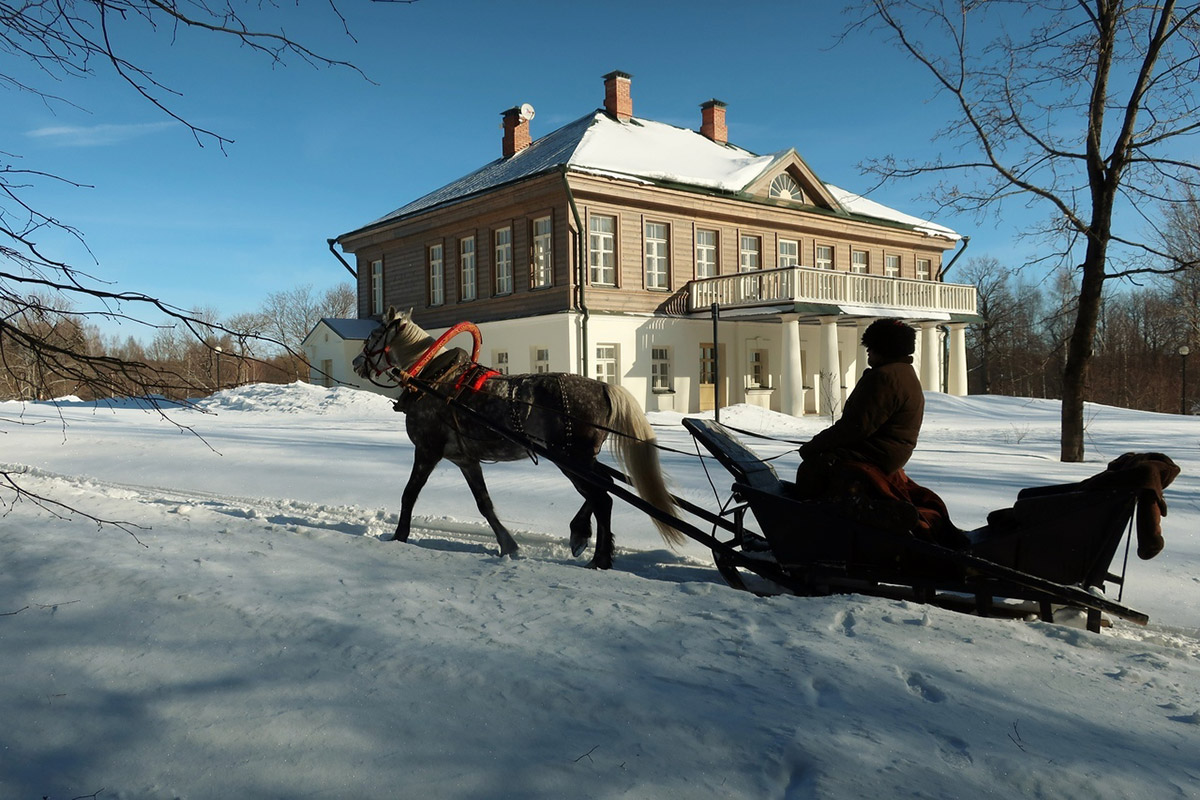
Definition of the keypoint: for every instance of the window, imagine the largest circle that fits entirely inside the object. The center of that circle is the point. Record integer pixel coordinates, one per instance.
(504, 261)
(657, 276)
(789, 253)
(708, 364)
(750, 257)
(377, 288)
(784, 187)
(759, 377)
(706, 254)
(437, 276)
(859, 262)
(602, 253)
(543, 254)
(660, 369)
(891, 265)
(466, 268)
(824, 256)
(500, 361)
(923, 269)
(606, 363)
(541, 359)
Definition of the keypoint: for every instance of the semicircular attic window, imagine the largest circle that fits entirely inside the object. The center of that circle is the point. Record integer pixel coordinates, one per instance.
(784, 187)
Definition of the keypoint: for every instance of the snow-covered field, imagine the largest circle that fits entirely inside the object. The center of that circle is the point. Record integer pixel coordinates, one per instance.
(255, 637)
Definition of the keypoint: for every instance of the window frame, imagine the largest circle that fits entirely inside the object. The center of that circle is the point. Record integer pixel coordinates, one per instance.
(793, 257)
(657, 256)
(891, 265)
(468, 272)
(435, 273)
(541, 274)
(744, 251)
(612, 377)
(376, 301)
(601, 238)
(707, 248)
(926, 273)
(660, 370)
(865, 264)
(539, 358)
(821, 263)
(502, 252)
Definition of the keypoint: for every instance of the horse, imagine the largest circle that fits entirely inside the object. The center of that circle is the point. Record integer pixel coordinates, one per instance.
(491, 414)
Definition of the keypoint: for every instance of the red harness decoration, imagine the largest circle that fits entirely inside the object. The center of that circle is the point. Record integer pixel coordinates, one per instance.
(427, 356)
(474, 377)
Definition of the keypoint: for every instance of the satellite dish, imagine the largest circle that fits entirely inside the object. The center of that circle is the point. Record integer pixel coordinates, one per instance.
(526, 112)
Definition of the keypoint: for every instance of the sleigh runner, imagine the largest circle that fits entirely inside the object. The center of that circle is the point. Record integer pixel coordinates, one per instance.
(1053, 549)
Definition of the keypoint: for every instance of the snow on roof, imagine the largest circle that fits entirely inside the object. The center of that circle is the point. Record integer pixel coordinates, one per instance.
(857, 204)
(660, 152)
(646, 150)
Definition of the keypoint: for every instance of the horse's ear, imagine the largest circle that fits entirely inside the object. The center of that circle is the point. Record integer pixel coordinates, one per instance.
(390, 315)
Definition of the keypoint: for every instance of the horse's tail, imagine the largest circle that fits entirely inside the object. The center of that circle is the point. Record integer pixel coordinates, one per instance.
(634, 447)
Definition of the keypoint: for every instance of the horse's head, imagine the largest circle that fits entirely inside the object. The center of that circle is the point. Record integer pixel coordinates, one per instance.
(376, 356)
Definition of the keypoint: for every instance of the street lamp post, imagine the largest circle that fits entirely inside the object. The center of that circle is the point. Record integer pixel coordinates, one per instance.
(1183, 354)
(218, 350)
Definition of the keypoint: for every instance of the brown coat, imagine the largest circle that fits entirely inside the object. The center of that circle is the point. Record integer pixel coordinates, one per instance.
(880, 423)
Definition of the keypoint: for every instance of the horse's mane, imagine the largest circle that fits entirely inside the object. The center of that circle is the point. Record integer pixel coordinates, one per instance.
(411, 341)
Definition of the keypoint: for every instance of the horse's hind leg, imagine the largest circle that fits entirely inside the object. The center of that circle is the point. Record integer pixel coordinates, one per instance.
(581, 529)
(422, 468)
(474, 475)
(597, 503)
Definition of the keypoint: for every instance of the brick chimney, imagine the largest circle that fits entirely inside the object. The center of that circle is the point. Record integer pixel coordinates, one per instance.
(712, 121)
(516, 131)
(617, 100)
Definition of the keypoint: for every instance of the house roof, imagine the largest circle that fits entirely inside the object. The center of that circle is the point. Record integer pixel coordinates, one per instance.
(348, 328)
(644, 150)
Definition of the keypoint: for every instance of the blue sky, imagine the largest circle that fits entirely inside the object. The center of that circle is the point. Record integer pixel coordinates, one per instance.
(319, 152)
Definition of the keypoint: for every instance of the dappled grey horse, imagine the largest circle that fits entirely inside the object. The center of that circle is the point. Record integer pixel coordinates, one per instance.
(492, 414)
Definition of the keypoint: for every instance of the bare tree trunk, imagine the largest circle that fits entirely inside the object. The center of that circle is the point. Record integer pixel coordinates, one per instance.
(1079, 354)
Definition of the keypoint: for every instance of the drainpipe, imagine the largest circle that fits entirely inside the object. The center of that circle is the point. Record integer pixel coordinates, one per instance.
(581, 278)
(941, 276)
(349, 268)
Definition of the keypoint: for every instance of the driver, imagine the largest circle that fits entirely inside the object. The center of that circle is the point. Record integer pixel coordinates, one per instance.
(882, 416)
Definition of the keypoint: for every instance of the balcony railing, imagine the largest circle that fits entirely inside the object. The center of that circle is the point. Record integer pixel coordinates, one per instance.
(773, 287)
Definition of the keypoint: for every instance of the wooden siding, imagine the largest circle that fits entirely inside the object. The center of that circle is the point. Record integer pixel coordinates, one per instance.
(403, 246)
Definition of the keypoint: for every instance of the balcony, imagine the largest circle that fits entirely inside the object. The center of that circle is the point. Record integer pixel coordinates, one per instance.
(793, 286)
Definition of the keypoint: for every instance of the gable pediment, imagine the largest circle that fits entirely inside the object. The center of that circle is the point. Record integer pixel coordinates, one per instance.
(790, 181)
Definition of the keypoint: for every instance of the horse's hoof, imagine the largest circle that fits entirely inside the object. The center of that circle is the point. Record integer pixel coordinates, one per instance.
(396, 537)
(603, 563)
(577, 548)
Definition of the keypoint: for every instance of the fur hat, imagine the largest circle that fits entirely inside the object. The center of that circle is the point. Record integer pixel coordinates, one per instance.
(891, 338)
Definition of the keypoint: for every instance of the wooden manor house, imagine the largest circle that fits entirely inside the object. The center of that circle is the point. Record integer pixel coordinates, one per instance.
(606, 248)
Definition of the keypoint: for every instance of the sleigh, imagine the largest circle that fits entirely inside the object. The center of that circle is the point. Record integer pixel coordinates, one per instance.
(1053, 550)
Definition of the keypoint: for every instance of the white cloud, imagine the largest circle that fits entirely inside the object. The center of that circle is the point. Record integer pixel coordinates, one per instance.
(96, 135)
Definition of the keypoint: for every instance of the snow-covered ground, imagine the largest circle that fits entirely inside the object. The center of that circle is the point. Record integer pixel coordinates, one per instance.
(251, 635)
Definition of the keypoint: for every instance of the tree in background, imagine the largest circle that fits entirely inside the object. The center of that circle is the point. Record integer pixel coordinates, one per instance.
(46, 345)
(1085, 107)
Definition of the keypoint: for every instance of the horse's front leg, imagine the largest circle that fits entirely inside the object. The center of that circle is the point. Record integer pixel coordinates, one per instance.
(422, 468)
(474, 475)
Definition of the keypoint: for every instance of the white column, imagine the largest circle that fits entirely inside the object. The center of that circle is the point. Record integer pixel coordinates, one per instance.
(930, 362)
(829, 382)
(957, 372)
(792, 370)
(860, 363)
